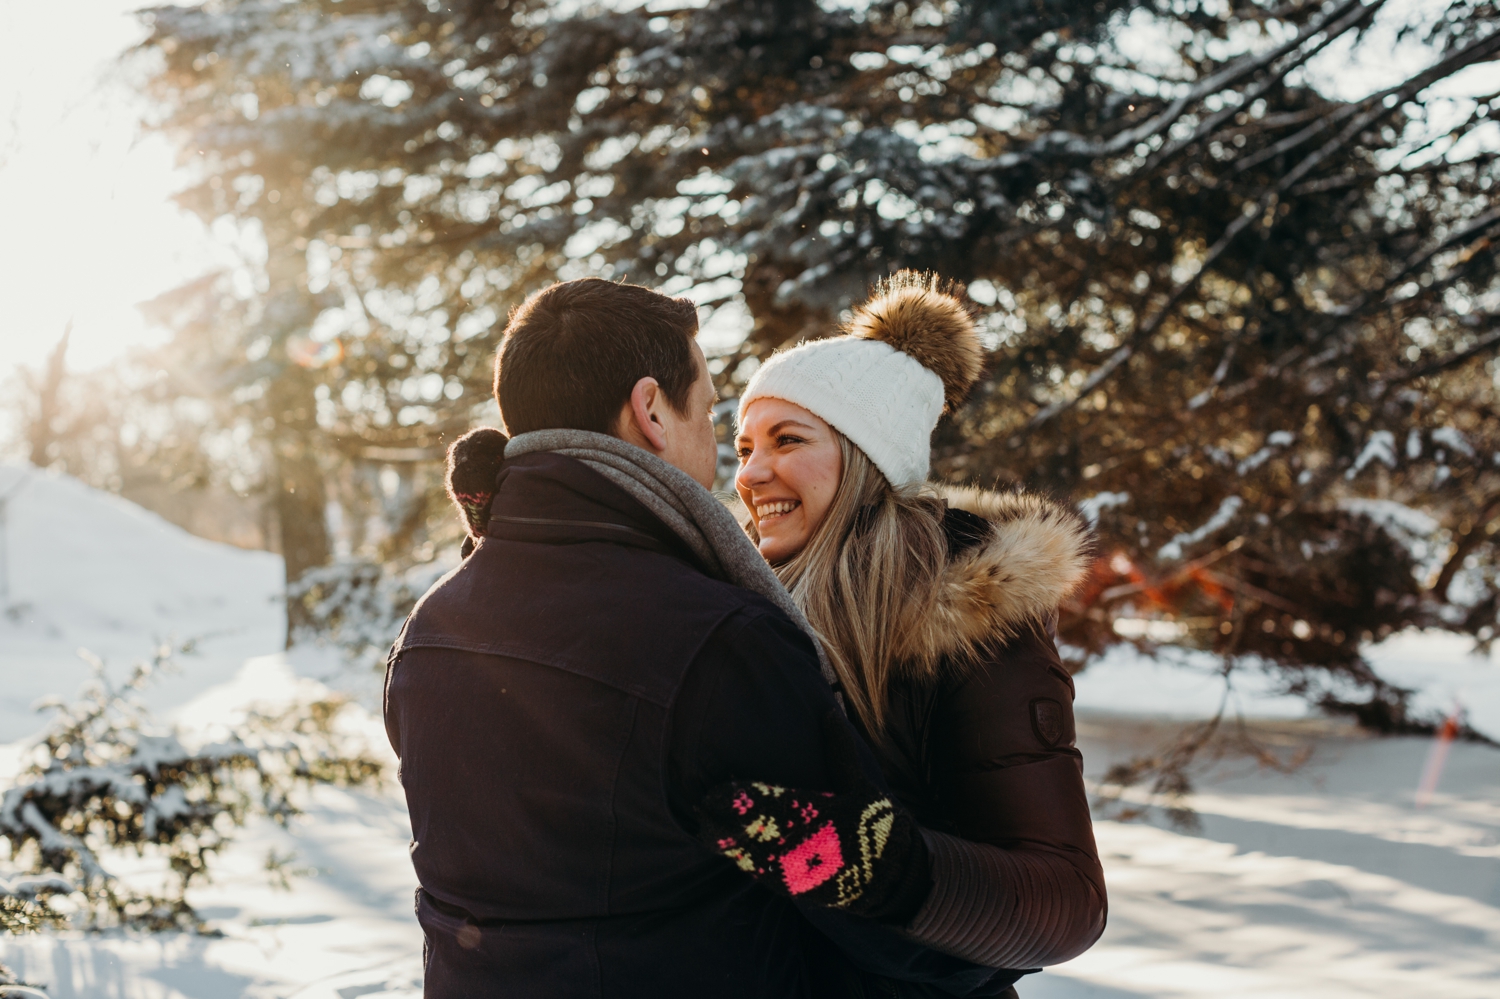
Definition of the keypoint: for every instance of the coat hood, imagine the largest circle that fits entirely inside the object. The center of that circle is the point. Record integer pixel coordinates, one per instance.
(1022, 557)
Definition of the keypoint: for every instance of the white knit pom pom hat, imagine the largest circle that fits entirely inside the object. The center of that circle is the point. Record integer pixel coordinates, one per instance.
(909, 355)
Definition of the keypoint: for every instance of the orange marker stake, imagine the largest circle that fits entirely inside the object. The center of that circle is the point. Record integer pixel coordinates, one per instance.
(1432, 772)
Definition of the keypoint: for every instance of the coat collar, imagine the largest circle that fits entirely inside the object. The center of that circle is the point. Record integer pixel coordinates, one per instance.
(549, 498)
(1013, 558)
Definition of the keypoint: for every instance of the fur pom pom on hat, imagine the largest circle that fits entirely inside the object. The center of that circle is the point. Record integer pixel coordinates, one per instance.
(915, 314)
(909, 354)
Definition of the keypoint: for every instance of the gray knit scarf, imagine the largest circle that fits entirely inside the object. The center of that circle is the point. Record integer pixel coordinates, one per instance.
(702, 522)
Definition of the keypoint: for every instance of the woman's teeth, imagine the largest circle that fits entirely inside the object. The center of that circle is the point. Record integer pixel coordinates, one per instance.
(764, 510)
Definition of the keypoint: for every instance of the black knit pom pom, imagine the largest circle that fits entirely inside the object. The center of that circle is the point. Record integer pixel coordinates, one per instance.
(474, 461)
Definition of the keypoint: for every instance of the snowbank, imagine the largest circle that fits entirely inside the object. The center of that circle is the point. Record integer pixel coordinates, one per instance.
(1441, 667)
(89, 570)
(1177, 684)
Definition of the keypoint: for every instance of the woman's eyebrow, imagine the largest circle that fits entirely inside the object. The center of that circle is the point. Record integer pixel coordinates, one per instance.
(776, 429)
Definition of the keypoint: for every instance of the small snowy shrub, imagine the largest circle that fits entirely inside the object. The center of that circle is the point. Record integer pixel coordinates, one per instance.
(25, 907)
(12, 987)
(106, 778)
(358, 605)
(26, 904)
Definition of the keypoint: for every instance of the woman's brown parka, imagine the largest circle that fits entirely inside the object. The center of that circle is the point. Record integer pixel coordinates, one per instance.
(982, 747)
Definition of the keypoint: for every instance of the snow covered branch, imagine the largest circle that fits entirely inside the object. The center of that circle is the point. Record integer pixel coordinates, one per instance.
(106, 778)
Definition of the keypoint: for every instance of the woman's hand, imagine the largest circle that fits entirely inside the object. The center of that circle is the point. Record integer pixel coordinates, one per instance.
(852, 849)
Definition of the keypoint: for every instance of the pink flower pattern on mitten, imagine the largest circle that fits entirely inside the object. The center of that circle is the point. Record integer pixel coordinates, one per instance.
(814, 861)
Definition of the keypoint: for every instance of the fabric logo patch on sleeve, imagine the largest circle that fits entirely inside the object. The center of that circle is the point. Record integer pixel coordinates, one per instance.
(1047, 721)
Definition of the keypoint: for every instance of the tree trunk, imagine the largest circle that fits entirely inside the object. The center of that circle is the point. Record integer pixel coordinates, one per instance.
(301, 493)
(42, 432)
(300, 514)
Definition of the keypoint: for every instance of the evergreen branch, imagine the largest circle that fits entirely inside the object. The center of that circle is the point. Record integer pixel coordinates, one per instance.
(1353, 309)
(1335, 31)
(106, 778)
(1464, 545)
(1252, 591)
(1073, 144)
(21, 992)
(1156, 317)
(1481, 346)
(1475, 227)
(1474, 52)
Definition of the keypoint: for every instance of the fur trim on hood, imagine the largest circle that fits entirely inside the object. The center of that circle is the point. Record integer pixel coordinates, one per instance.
(1035, 555)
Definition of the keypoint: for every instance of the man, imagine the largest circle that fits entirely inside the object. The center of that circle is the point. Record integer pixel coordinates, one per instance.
(563, 699)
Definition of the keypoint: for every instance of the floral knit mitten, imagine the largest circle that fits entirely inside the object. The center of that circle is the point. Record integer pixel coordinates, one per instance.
(854, 850)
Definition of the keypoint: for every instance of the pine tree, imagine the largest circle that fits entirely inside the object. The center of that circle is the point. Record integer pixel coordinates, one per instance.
(1251, 324)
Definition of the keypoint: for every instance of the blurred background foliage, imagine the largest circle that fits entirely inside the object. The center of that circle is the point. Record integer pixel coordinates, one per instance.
(1249, 324)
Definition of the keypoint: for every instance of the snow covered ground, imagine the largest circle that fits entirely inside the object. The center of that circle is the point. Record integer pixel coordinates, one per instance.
(1441, 667)
(88, 570)
(1324, 883)
(1327, 883)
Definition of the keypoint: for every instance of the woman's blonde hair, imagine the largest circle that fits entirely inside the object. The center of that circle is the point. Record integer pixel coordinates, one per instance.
(867, 577)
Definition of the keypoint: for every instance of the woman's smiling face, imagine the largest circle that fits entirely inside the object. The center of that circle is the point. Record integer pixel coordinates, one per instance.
(790, 464)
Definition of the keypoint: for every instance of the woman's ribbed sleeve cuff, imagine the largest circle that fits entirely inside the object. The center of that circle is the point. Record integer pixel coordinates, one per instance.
(1005, 908)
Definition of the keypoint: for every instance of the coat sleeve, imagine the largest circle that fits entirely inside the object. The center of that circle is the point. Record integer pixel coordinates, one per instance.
(751, 708)
(1021, 885)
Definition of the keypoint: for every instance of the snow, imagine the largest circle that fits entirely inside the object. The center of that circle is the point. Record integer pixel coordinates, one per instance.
(88, 570)
(1380, 447)
(1393, 516)
(1277, 439)
(1177, 684)
(1098, 503)
(1324, 884)
(1327, 882)
(1221, 518)
(1452, 438)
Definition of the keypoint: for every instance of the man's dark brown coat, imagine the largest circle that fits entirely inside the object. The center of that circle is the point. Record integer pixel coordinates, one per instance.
(560, 702)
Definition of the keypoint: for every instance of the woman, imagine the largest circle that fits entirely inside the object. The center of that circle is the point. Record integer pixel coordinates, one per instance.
(936, 608)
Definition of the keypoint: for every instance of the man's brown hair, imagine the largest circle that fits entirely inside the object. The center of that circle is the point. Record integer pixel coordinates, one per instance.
(573, 352)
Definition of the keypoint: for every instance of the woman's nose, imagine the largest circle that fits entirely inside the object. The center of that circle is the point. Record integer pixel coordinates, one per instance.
(756, 471)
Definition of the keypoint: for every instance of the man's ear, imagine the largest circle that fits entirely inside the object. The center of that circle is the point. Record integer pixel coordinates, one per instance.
(640, 422)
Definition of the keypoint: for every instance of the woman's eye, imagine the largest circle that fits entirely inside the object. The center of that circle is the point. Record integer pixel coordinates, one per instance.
(788, 439)
(742, 453)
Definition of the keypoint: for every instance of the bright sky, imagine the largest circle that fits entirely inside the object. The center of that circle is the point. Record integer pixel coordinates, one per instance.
(89, 227)
(89, 230)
